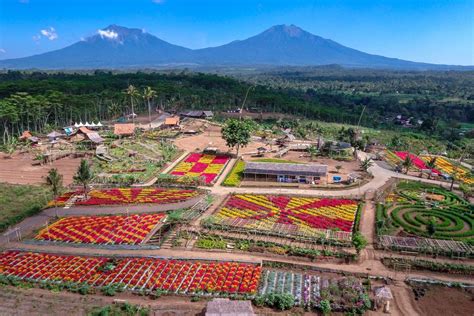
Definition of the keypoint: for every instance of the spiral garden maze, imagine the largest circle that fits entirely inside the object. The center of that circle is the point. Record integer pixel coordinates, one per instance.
(417, 211)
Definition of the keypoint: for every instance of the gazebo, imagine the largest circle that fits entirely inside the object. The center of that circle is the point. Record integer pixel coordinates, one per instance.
(53, 136)
(383, 296)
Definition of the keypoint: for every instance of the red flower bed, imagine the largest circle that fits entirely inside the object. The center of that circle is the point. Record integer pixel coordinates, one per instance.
(135, 273)
(101, 229)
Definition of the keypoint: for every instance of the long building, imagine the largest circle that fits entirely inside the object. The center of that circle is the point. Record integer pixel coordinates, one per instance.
(284, 172)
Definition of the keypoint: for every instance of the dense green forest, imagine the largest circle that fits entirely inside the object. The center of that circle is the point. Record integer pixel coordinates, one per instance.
(38, 100)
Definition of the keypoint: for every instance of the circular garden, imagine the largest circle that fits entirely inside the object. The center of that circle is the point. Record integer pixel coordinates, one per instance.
(431, 212)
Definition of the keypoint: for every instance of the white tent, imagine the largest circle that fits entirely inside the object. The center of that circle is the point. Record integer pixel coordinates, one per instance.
(76, 125)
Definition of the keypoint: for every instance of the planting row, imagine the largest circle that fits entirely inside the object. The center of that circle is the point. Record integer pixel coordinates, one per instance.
(289, 215)
(201, 165)
(119, 229)
(135, 274)
(310, 290)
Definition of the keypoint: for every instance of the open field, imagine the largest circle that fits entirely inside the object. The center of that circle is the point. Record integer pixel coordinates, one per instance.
(18, 202)
(19, 169)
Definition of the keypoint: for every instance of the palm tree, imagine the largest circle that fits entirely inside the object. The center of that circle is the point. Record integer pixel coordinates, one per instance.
(132, 92)
(312, 151)
(83, 175)
(148, 94)
(407, 163)
(55, 180)
(431, 165)
(366, 164)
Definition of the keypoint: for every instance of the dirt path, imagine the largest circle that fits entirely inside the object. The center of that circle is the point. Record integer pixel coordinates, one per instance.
(367, 222)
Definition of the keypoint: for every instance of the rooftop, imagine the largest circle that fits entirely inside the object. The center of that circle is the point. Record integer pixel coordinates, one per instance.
(124, 129)
(226, 307)
(285, 168)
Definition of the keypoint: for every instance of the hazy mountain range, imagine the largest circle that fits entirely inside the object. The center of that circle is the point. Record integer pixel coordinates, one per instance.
(281, 45)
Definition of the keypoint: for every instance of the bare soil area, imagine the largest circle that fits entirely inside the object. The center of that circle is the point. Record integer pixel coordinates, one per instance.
(211, 137)
(440, 300)
(17, 301)
(19, 169)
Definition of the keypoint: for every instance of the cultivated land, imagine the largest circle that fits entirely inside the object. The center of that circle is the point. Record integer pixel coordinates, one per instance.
(151, 233)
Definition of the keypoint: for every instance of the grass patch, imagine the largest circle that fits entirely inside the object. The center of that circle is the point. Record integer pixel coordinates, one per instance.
(20, 201)
(234, 177)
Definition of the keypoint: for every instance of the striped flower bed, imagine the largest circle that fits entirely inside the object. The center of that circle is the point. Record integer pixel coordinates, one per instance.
(133, 273)
(118, 196)
(119, 229)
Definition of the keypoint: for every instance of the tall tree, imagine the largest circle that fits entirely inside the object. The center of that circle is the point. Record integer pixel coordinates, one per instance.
(431, 164)
(407, 163)
(148, 95)
(55, 180)
(133, 93)
(237, 133)
(83, 175)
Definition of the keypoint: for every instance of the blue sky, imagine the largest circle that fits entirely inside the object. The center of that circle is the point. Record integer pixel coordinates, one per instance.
(436, 31)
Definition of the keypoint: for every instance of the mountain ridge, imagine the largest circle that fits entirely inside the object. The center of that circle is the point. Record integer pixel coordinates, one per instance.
(280, 45)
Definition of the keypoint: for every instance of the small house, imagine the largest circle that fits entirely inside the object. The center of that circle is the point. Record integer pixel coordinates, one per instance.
(284, 172)
(171, 122)
(85, 134)
(25, 135)
(124, 129)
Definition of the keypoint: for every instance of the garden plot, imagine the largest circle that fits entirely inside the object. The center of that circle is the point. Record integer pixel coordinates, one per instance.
(134, 273)
(309, 290)
(306, 217)
(196, 165)
(111, 230)
(419, 217)
(132, 161)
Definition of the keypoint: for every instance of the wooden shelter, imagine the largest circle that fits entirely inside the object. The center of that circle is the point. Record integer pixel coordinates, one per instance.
(85, 134)
(124, 129)
(171, 122)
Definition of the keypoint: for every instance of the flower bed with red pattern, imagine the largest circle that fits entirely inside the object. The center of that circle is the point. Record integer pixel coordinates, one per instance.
(117, 229)
(296, 215)
(134, 273)
(201, 165)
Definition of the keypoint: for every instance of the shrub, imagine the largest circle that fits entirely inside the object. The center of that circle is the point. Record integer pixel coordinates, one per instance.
(280, 301)
(325, 307)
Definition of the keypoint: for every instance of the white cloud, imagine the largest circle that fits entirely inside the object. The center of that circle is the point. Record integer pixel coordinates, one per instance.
(2, 51)
(49, 33)
(36, 38)
(108, 34)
